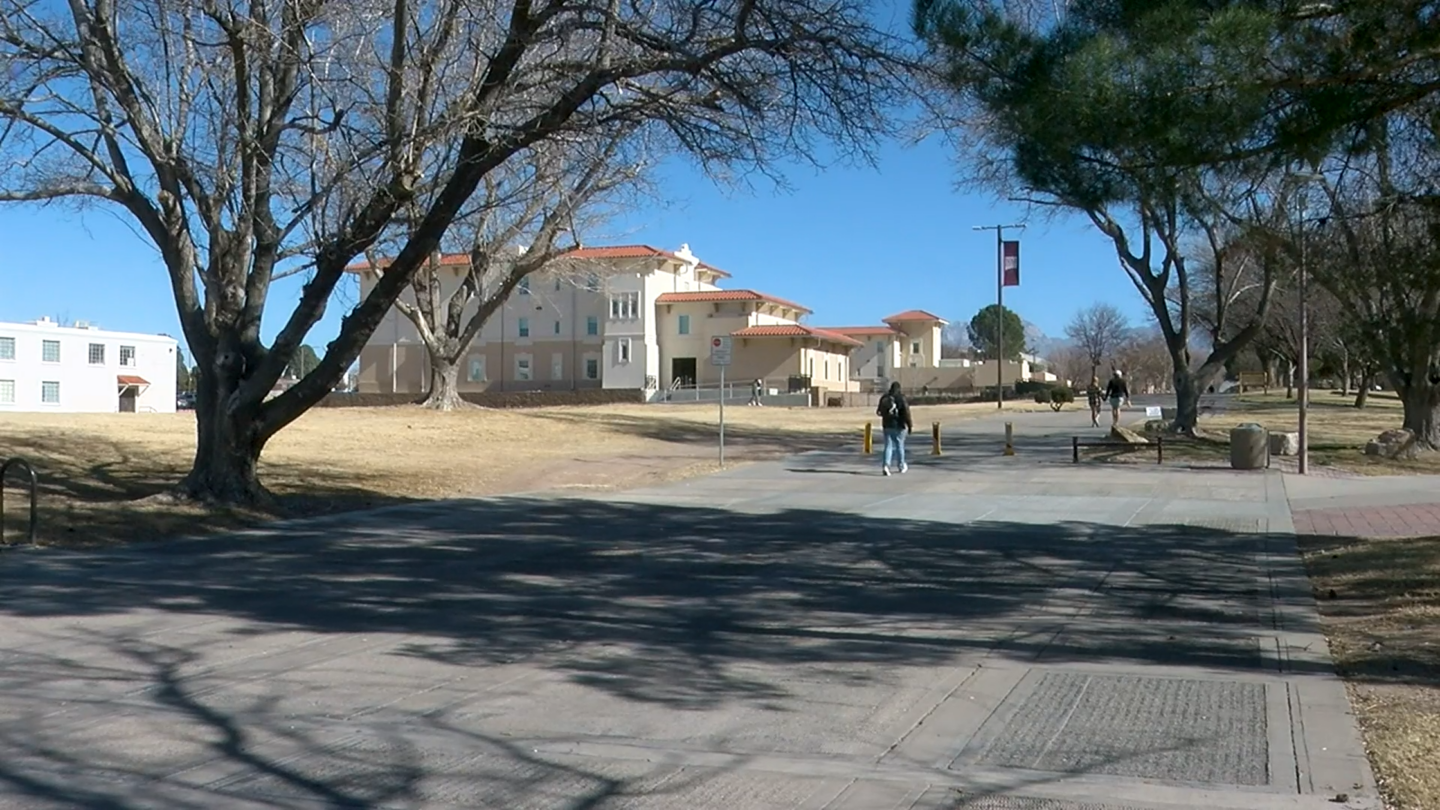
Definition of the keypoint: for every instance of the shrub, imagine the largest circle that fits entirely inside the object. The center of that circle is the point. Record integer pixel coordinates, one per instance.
(1028, 387)
(1060, 397)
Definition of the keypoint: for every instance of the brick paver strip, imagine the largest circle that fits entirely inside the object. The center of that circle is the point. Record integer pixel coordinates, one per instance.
(1138, 727)
(1410, 520)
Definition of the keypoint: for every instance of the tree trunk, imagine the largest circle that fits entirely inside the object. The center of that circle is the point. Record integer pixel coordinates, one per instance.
(1367, 381)
(444, 392)
(227, 448)
(1290, 382)
(1421, 399)
(1187, 403)
(1344, 372)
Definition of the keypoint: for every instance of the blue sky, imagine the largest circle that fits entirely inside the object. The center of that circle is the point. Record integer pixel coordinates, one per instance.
(854, 244)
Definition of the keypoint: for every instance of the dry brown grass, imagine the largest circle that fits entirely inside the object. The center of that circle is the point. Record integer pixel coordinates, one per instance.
(100, 471)
(1380, 604)
(1337, 431)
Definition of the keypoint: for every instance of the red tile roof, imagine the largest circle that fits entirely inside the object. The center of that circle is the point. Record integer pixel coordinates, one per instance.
(862, 330)
(600, 252)
(793, 330)
(125, 379)
(710, 296)
(913, 315)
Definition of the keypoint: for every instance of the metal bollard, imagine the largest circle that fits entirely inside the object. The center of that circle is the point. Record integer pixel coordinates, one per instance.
(1009, 438)
(934, 438)
(868, 440)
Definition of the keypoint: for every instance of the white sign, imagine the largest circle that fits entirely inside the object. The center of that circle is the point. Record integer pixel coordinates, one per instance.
(720, 351)
(1152, 410)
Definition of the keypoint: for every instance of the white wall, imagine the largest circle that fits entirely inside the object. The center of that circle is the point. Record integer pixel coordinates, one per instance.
(84, 387)
(638, 331)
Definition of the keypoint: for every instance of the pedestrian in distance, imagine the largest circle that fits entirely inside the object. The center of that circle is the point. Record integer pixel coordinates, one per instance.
(1118, 393)
(1093, 395)
(896, 424)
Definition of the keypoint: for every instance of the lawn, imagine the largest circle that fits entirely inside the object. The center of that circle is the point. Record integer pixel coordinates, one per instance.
(1380, 604)
(1337, 430)
(103, 475)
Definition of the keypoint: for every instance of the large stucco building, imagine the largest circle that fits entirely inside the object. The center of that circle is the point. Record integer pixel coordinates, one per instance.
(638, 317)
(82, 369)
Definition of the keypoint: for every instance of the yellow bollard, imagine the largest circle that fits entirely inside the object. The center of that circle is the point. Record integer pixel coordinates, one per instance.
(934, 438)
(868, 430)
(1009, 438)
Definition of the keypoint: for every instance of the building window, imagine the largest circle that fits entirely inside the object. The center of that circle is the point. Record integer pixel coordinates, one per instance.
(914, 347)
(625, 305)
(97, 354)
(827, 369)
(592, 325)
(592, 282)
(622, 350)
(557, 327)
(557, 284)
(524, 327)
(684, 324)
(522, 368)
(592, 368)
(812, 368)
(50, 393)
(476, 372)
(525, 285)
(7, 348)
(557, 366)
(7, 392)
(50, 351)
(127, 355)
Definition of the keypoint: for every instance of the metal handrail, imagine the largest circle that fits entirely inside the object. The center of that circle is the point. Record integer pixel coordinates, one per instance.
(20, 463)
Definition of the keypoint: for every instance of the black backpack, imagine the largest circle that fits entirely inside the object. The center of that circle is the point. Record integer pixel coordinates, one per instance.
(888, 407)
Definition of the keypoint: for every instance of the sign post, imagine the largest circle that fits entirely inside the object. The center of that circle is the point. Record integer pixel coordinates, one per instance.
(720, 358)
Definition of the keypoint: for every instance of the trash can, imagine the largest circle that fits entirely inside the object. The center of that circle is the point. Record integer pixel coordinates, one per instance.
(1249, 447)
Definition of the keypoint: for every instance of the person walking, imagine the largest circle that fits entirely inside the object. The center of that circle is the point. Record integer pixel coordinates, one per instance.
(895, 422)
(1093, 395)
(1117, 392)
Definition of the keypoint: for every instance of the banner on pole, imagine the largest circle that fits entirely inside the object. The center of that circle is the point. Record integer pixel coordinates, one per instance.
(1010, 263)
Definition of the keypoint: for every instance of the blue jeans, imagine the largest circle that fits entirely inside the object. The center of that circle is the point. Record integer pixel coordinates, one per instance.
(894, 444)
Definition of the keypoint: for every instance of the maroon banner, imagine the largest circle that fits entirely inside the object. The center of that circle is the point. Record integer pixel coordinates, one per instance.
(1010, 263)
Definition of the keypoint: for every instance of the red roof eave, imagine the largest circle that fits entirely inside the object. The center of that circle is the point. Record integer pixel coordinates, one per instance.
(720, 296)
(793, 331)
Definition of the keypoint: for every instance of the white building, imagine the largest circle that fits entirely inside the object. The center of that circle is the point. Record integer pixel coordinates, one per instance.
(80, 369)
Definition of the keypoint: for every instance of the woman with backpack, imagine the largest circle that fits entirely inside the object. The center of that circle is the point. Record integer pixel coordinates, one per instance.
(894, 413)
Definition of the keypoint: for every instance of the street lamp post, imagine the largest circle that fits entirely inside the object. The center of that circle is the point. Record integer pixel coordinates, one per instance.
(1304, 404)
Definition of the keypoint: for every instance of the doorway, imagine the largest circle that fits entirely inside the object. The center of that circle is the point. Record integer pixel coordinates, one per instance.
(127, 399)
(683, 370)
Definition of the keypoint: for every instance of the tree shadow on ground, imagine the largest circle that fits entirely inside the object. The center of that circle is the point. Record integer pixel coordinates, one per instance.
(112, 496)
(766, 440)
(674, 609)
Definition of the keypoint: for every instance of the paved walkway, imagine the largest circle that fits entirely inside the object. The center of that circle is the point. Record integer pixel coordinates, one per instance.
(984, 632)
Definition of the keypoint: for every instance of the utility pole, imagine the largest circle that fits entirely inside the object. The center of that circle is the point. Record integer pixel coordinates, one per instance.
(999, 306)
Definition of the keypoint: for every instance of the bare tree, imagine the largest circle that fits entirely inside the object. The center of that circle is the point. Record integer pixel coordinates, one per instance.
(1098, 331)
(515, 232)
(253, 138)
(1147, 362)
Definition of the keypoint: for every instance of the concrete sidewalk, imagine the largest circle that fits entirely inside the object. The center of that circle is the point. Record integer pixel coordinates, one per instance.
(1000, 633)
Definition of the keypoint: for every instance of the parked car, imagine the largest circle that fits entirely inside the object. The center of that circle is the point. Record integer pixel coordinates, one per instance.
(184, 401)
